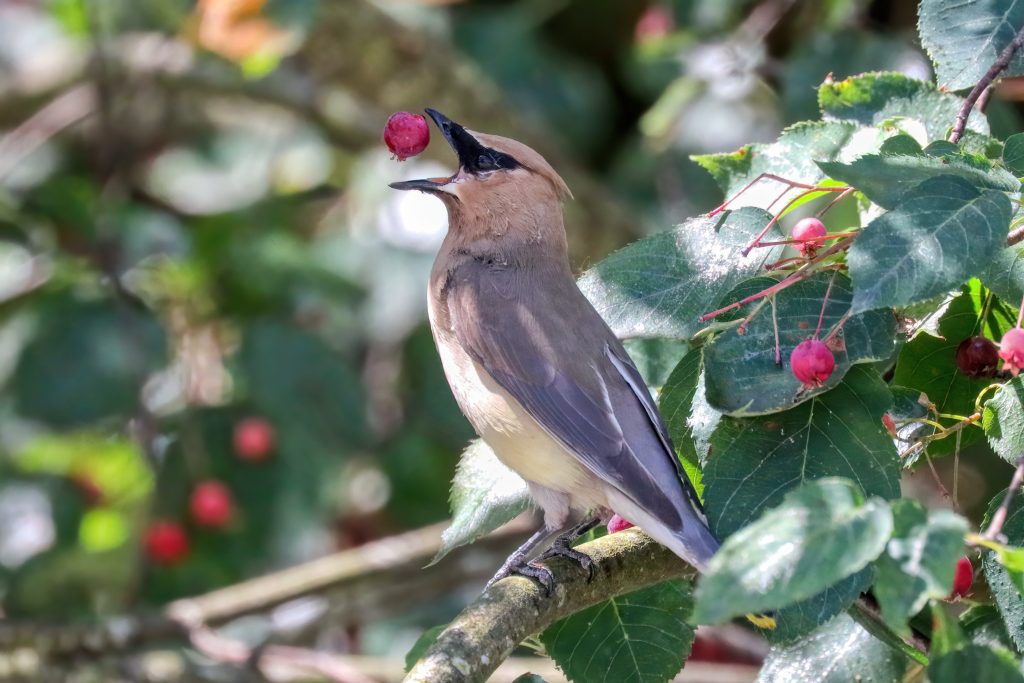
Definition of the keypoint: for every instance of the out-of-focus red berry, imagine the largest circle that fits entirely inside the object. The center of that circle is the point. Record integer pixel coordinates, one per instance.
(254, 439)
(806, 230)
(962, 579)
(656, 22)
(211, 504)
(1011, 350)
(977, 357)
(166, 543)
(890, 424)
(812, 363)
(617, 523)
(406, 135)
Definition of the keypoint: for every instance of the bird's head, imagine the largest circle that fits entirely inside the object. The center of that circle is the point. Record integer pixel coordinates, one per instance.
(495, 174)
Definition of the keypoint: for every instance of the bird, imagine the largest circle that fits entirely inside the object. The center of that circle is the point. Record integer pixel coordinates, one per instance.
(534, 367)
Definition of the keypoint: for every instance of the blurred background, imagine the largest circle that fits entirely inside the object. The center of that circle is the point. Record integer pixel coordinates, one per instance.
(214, 361)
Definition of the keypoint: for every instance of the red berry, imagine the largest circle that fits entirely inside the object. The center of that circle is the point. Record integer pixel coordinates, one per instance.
(617, 523)
(1011, 350)
(211, 504)
(890, 424)
(805, 230)
(962, 579)
(656, 22)
(254, 439)
(406, 135)
(166, 543)
(977, 357)
(812, 363)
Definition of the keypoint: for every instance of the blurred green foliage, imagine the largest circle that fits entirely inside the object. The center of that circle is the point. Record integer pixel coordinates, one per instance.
(176, 257)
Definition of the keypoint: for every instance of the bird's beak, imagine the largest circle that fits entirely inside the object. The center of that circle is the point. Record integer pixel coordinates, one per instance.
(461, 141)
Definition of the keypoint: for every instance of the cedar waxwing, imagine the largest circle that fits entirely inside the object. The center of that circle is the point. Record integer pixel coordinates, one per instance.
(536, 370)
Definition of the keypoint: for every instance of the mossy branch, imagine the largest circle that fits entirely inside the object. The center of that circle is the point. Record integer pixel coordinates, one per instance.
(487, 631)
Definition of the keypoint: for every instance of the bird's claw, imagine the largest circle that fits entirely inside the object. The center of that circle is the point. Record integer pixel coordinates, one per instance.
(538, 573)
(562, 548)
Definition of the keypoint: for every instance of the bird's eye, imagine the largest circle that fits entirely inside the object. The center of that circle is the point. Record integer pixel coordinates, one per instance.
(486, 162)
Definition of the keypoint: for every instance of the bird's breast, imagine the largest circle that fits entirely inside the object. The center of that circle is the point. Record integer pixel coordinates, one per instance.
(511, 432)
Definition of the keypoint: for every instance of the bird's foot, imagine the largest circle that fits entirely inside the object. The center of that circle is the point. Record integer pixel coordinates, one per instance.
(511, 566)
(562, 548)
(538, 573)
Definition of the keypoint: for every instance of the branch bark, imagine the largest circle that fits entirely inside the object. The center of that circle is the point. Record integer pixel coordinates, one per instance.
(487, 631)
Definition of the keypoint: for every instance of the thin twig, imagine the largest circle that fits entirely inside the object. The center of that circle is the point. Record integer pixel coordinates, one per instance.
(1015, 236)
(993, 72)
(801, 274)
(995, 527)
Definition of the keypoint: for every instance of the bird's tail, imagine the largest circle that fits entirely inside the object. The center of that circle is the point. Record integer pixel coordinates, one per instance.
(693, 542)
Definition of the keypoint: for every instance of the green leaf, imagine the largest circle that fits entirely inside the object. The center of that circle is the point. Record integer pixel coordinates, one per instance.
(919, 561)
(983, 625)
(975, 663)
(822, 533)
(836, 434)
(1003, 421)
(946, 632)
(886, 178)
(874, 98)
(942, 233)
(314, 394)
(641, 636)
(422, 644)
(1013, 154)
(756, 460)
(656, 358)
(901, 144)
(87, 362)
(839, 652)
(928, 363)
(485, 495)
(798, 620)
(1005, 275)
(689, 419)
(742, 378)
(1007, 596)
(792, 157)
(659, 285)
(964, 38)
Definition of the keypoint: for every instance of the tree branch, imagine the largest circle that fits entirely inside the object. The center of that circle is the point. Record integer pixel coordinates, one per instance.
(487, 631)
(1002, 61)
(373, 580)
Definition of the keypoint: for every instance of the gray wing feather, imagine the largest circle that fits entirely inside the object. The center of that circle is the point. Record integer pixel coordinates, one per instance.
(588, 394)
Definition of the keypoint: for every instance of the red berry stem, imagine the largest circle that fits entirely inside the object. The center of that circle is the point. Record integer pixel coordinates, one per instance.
(775, 219)
(775, 327)
(842, 195)
(823, 238)
(771, 176)
(804, 272)
(838, 326)
(1020, 313)
(824, 304)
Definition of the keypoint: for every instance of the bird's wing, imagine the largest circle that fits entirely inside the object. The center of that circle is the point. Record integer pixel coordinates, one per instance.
(539, 338)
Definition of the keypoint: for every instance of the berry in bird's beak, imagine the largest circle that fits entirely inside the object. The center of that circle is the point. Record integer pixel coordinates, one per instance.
(406, 135)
